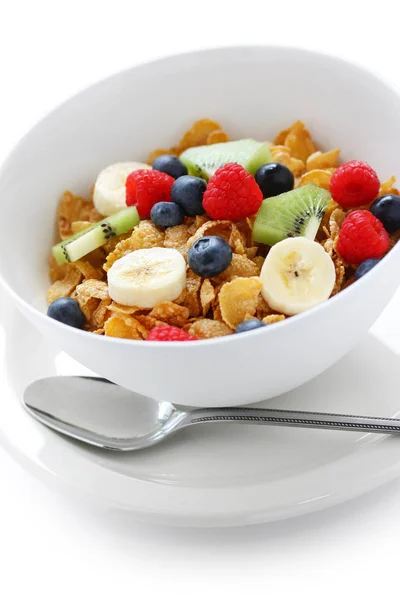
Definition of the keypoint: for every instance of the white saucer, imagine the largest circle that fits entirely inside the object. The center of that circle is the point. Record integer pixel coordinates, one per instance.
(217, 474)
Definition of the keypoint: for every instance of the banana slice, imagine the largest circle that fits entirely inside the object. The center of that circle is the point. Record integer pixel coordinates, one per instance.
(146, 277)
(297, 275)
(109, 190)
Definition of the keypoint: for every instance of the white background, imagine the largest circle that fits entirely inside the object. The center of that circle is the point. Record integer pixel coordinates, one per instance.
(52, 547)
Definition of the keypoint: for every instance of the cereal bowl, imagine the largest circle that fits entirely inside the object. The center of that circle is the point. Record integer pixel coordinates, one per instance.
(254, 92)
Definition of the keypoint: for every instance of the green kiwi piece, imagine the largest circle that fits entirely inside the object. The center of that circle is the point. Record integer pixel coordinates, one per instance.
(292, 214)
(96, 235)
(203, 161)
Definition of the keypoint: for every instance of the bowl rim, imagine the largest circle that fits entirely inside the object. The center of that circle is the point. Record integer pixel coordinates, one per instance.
(230, 51)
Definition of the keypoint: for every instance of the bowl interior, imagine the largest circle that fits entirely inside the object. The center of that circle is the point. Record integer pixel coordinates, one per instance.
(253, 92)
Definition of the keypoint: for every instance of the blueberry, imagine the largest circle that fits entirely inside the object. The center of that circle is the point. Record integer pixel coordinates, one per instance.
(365, 266)
(166, 163)
(249, 325)
(67, 311)
(188, 191)
(209, 256)
(387, 209)
(166, 214)
(274, 179)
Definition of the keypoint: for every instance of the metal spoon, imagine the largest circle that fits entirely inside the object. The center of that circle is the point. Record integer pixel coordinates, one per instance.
(102, 414)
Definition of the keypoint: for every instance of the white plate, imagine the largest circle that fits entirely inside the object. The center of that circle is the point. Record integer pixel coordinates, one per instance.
(217, 474)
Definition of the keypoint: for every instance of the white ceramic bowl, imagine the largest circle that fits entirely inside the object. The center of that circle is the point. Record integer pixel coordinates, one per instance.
(254, 92)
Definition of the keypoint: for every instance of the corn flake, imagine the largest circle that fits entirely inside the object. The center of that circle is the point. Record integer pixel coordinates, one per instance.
(101, 314)
(251, 253)
(113, 242)
(217, 137)
(336, 219)
(387, 187)
(323, 160)
(124, 326)
(241, 266)
(198, 134)
(123, 309)
(299, 142)
(271, 319)
(237, 240)
(88, 295)
(220, 228)
(88, 270)
(159, 152)
(263, 309)
(145, 235)
(148, 322)
(320, 177)
(281, 154)
(196, 223)
(170, 313)
(279, 140)
(208, 328)
(238, 298)
(56, 271)
(66, 286)
(92, 288)
(207, 295)
(177, 237)
(78, 226)
(73, 208)
(192, 298)
(340, 275)
(217, 312)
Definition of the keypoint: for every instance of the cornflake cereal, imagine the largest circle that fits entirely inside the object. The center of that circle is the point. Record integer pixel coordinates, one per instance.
(207, 328)
(238, 298)
(321, 177)
(207, 307)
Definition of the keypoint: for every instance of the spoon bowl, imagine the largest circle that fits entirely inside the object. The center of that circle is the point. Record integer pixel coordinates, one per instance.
(95, 411)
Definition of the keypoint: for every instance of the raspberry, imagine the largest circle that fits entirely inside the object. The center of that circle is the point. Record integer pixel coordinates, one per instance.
(362, 236)
(353, 184)
(167, 333)
(145, 187)
(232, 193)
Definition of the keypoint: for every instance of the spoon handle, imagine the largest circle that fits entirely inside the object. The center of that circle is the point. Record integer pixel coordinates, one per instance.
(292, 418)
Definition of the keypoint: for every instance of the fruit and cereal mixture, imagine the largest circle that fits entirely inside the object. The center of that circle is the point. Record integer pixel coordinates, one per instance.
(214, 237)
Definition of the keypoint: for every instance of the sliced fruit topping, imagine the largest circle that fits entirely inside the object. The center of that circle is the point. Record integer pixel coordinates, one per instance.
(362, 236)
(93, 237)
(274, 179)
(67, 311)
(168, 333)
(145, 188)
(232, 193)
(365, 267)
(209, 256)
(188, 192)
(147, 277)
(203, 161)
(297, 275)
(387, 209)
(353, 184)
(295, 213)
(109, 192)
(171, 165)
(167, 214)
(249, 325)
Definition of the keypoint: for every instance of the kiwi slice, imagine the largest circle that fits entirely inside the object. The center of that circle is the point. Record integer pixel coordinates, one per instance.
(203, 161)
(292, 214)
(96, 235)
